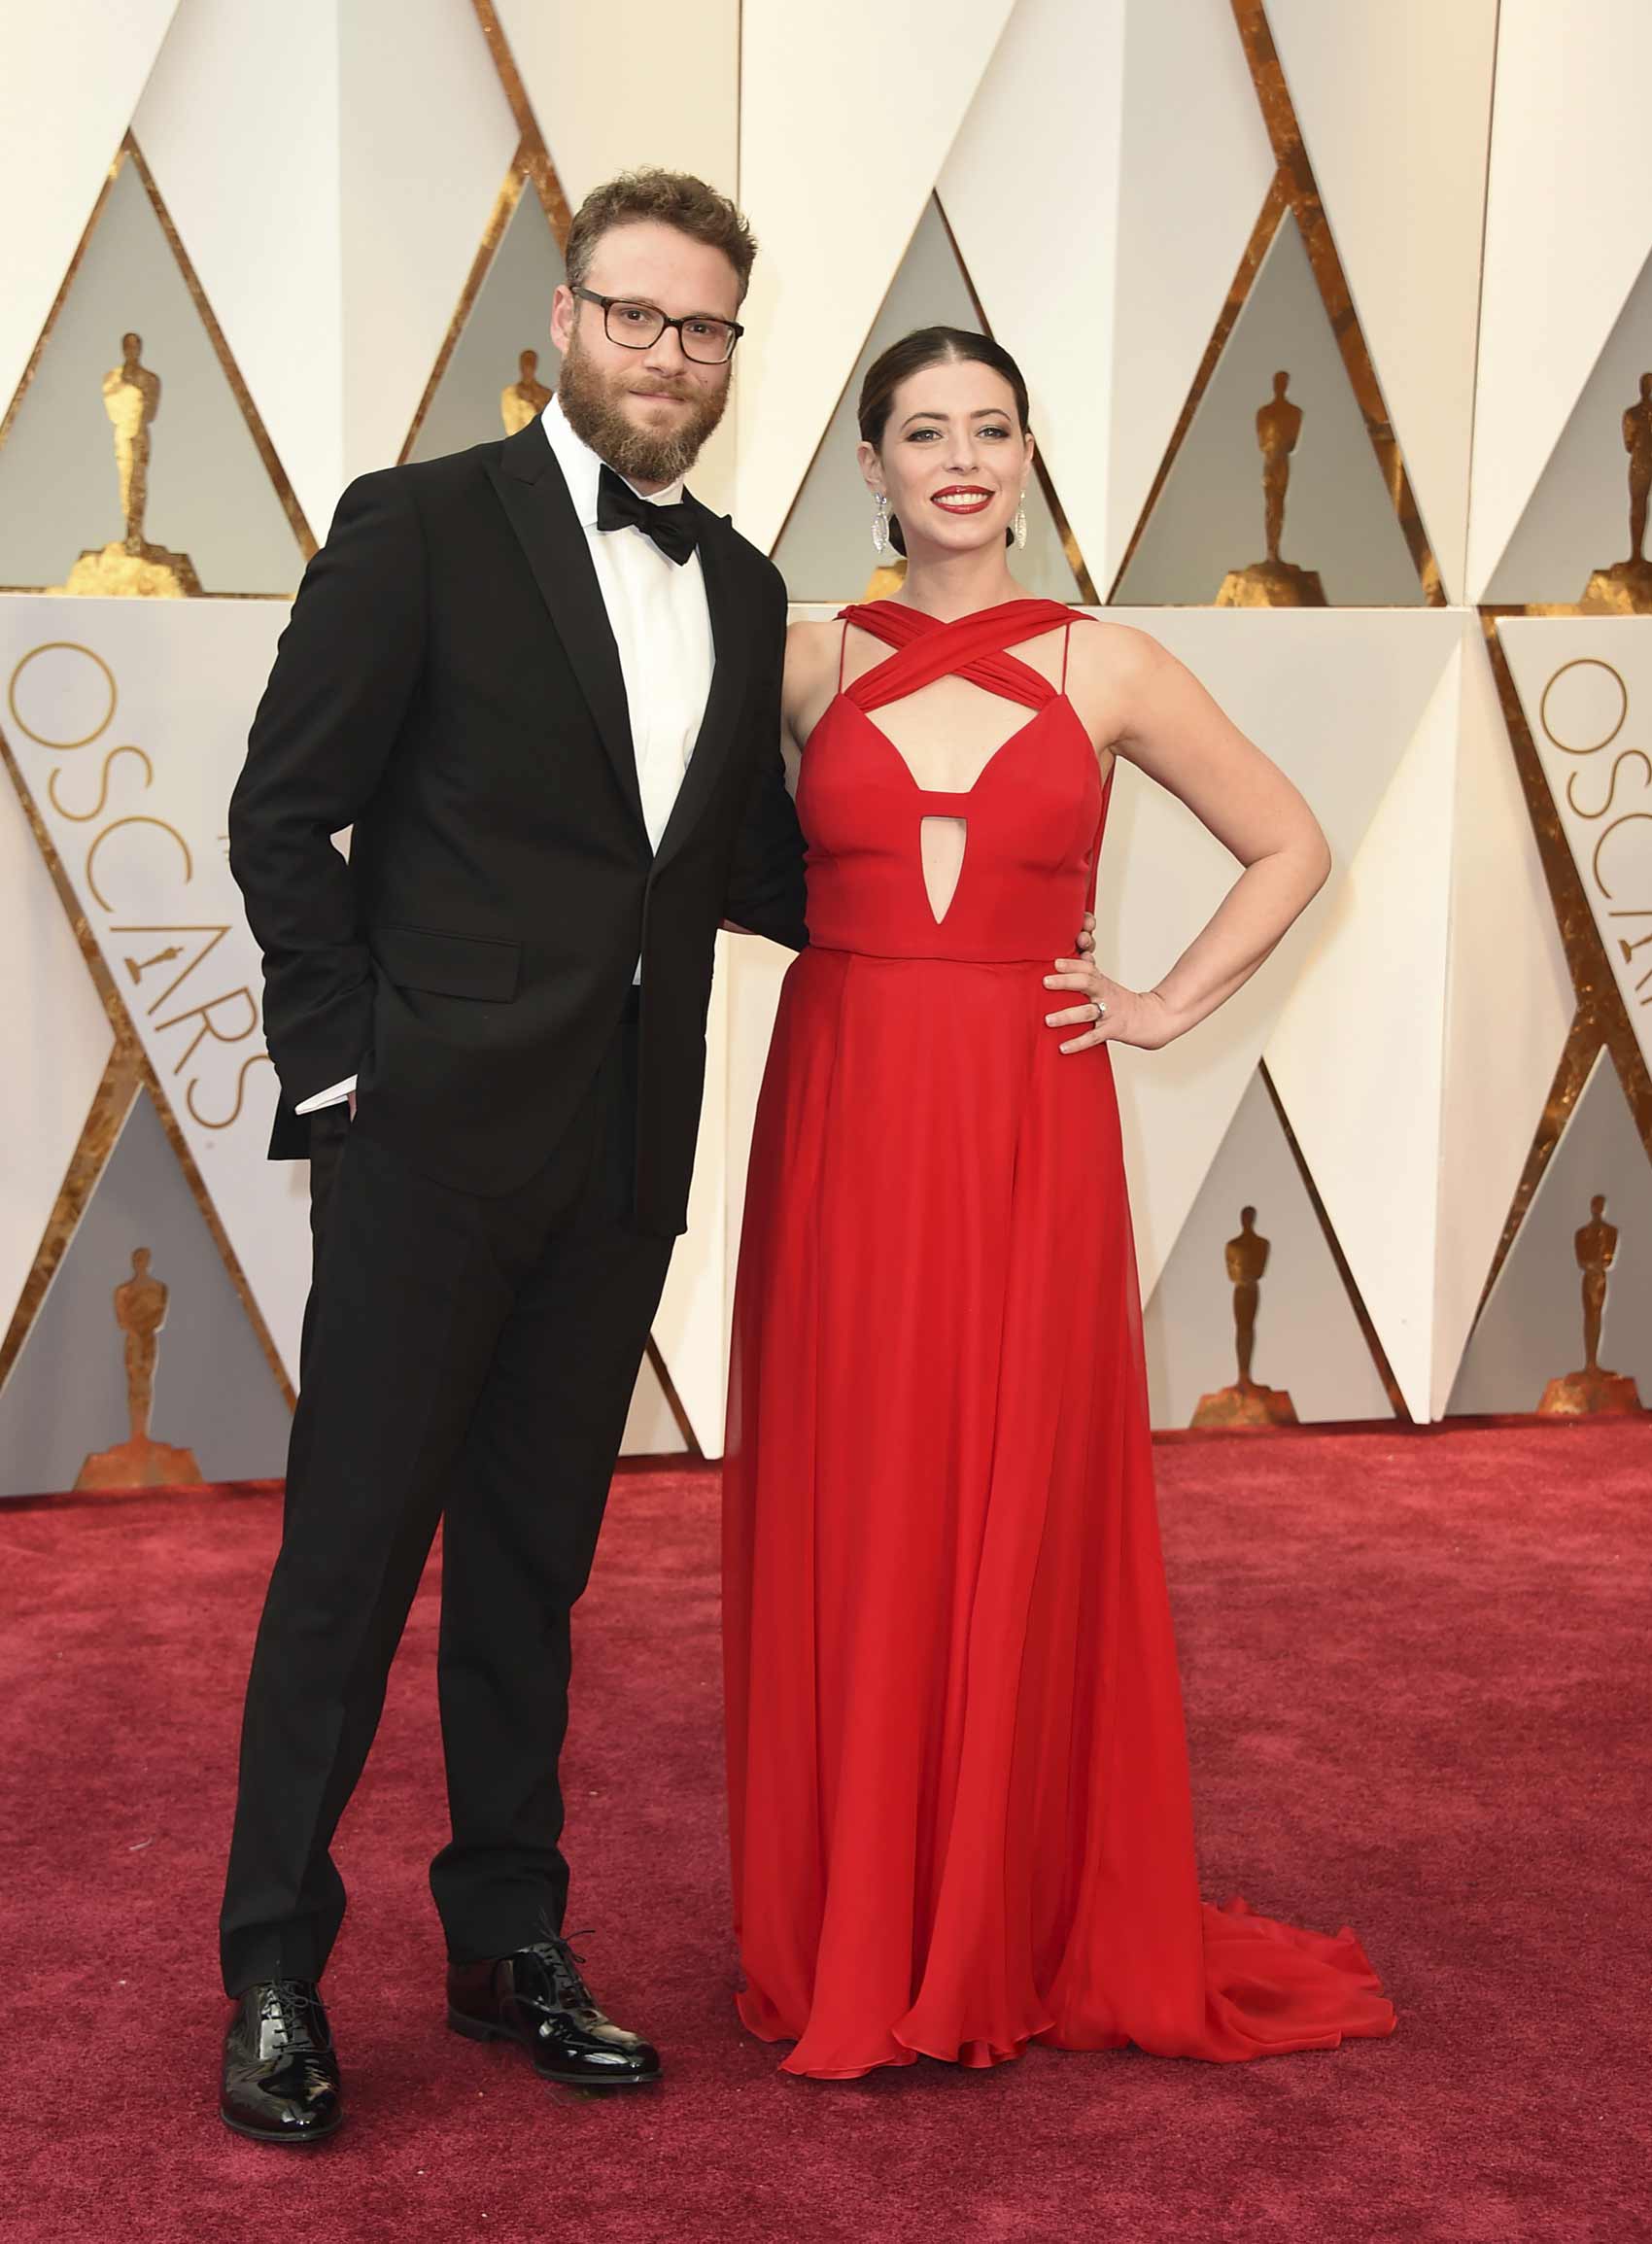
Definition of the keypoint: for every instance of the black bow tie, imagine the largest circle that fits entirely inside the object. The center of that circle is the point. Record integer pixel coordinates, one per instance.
(672, 528)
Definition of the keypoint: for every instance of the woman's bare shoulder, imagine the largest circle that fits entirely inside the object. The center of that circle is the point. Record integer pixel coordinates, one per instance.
(1105, 650)
(811, 648)
(809, 633)
(1112, 674)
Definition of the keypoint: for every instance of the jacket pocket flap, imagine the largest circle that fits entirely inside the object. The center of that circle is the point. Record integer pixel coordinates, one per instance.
(450, 965)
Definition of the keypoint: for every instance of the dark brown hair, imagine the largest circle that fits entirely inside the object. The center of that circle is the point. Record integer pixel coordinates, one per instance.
(928, 347)
(675, 199)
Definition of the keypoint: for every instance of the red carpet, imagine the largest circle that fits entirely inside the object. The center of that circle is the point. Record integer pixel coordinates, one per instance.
(1418, 1679)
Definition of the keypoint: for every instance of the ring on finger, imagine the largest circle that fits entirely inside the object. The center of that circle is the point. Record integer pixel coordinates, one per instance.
(1100, 1007)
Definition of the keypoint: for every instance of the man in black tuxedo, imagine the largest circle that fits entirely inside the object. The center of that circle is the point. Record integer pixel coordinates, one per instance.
(542, 684)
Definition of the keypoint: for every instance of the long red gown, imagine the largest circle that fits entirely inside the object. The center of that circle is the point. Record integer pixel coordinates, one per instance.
(958, 1771)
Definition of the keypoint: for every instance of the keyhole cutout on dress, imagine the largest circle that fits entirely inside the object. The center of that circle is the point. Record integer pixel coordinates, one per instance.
(942, 842)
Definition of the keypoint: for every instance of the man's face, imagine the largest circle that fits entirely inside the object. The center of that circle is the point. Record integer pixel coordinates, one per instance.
(648, 412)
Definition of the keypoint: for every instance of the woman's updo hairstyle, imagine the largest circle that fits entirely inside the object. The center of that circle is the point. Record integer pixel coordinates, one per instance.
(930, 347)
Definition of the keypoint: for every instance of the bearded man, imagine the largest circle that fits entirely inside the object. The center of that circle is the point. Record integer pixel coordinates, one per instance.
(541, 682)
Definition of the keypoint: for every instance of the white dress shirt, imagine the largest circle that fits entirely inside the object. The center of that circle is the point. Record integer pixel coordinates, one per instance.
(662, 627)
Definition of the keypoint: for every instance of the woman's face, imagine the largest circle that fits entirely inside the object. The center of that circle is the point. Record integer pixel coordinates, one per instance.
(954, 459)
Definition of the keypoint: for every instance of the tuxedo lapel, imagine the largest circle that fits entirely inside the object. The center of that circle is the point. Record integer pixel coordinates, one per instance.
(731, 640)
(530, 487)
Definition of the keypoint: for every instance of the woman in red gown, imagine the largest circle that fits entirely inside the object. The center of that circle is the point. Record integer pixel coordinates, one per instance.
(958, 1776)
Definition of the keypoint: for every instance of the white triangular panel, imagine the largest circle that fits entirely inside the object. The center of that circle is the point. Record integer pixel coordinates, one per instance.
(1356, 1054)
(240, 125)
(1509, 1003)
(176, 680)
(330, 175)
(1394, 98)
(1163, 875)
(1065, 70)
(1195, 169)
(67, 93)
(1569, 225)
(1585, 683)
(614, 87)
(57, 1044)
(427, 136)
(838, 159)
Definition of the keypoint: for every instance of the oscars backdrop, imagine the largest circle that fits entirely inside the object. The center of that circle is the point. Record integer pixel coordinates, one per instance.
(1338, 328)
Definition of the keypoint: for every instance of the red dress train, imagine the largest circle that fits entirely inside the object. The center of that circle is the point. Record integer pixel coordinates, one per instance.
(958, 1771)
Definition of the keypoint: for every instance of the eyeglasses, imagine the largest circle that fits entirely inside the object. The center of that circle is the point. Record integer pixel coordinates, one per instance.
(709, 342)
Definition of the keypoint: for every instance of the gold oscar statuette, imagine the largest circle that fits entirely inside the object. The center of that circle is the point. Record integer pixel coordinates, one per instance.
(1245, 1402)
(1273, 582)
(132, 569)
(526, 399)
(140, 1460)
(1626, 587)
(1590, 1391)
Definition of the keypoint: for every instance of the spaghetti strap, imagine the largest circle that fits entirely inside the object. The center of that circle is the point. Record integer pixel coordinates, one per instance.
(843, 650)
(1066, 649)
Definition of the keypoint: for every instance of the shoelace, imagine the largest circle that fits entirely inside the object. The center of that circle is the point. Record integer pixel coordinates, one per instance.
(562, 1961)
(288, 2004)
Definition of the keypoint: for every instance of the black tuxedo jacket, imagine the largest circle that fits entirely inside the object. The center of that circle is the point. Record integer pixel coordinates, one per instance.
(448, 685)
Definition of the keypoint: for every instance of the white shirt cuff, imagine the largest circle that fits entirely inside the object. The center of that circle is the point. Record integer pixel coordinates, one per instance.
(334, 1096)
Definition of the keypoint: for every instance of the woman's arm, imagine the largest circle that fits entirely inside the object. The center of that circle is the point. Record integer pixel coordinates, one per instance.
(807, 685)
(772, 837)
(765, 891)
(1155, 713)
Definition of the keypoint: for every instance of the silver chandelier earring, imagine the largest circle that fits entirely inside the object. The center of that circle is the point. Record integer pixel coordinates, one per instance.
(1021, 520)
(881, 542)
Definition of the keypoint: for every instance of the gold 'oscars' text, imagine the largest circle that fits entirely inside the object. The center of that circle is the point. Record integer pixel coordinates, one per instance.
(1608, 792)
(132, 860)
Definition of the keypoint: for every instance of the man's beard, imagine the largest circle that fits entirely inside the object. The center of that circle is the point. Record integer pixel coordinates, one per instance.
(590, 401)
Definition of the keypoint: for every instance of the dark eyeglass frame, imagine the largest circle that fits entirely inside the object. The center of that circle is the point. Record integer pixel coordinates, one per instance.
(735, 331)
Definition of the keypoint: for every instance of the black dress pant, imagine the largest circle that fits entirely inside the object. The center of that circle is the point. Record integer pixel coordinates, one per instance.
(472, 1358)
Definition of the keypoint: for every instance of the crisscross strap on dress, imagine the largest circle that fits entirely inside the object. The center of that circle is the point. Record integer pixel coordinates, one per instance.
(973, 647)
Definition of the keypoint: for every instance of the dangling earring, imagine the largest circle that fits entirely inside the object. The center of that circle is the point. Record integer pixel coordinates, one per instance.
(881, 542)
(1021, 520)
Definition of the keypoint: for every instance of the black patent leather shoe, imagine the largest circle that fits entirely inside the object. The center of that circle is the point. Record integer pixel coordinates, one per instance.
(280, 2071)
(537, 1997)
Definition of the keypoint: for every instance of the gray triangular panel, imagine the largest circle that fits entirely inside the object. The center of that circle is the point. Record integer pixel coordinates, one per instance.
(1308, 1339)
(511, 314)
(215, 1393)
(1339, 520)
(1576, 521)
(1530, 1330)
(825, 550)
(210, 496)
